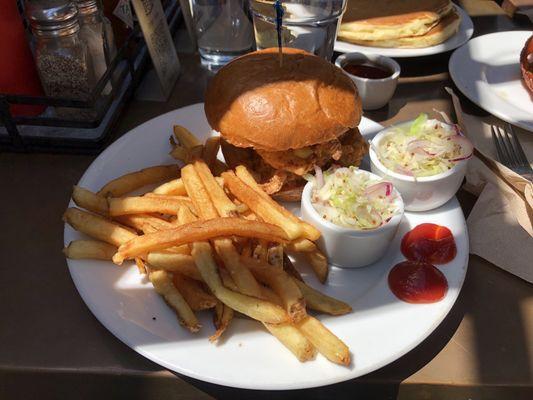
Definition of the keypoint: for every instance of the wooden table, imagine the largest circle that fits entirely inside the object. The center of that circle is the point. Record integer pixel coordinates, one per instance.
(53, 347)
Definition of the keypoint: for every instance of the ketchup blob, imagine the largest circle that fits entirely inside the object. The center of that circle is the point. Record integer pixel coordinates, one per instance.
(429, 243)
(419, 283)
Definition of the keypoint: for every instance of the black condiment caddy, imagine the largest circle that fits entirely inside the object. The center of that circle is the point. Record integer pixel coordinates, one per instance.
(44, 133)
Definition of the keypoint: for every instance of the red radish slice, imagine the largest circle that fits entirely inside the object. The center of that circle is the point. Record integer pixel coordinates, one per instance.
(381, 189)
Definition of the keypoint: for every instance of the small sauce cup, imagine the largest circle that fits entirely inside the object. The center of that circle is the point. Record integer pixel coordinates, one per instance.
(349, 247)
(375, 93)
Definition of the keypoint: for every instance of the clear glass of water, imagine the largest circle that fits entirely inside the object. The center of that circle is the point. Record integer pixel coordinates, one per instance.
(310, 25)
(224, 30)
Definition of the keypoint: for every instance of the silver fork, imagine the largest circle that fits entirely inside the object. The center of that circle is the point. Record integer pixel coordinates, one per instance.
(510, 151)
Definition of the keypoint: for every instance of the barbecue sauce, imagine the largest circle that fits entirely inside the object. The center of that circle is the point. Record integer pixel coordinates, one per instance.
(367, 71)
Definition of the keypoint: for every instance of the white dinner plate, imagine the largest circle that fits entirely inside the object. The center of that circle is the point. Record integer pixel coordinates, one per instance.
(379, 330)
(487, 71)
(465, 31)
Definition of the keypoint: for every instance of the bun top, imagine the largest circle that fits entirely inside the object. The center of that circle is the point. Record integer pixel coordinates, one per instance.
(253, 102)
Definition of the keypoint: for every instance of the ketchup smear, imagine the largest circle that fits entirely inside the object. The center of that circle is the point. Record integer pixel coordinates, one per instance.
(416, 282)
(429, 243)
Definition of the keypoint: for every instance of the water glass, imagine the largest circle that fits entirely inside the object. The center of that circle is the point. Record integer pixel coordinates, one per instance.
(223, 30)
(310, 25)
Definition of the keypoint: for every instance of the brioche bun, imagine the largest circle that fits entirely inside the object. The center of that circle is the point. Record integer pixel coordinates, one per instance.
(255, 102)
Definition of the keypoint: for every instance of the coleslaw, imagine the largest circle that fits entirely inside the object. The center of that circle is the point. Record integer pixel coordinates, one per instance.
(423, 148)
(353, 198)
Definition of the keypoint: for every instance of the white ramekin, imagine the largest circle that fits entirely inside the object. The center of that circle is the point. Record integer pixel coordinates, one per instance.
(374, 93)
(419, 194)
(346, 247)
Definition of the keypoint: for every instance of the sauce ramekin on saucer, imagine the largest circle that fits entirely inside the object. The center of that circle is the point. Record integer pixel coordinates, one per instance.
(349, 247)
(419, 193)
(374, 93)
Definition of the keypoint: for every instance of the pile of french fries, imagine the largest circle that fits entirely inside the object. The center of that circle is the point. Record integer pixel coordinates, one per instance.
(210, 242)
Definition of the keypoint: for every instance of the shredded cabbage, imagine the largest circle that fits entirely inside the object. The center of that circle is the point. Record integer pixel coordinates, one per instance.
(353, 198)
(424, 148)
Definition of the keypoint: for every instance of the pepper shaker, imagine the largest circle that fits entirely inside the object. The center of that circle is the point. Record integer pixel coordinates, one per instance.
(62, 58)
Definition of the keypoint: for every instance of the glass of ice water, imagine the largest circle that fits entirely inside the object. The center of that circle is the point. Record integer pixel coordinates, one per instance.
(224, 30)
(310, 25)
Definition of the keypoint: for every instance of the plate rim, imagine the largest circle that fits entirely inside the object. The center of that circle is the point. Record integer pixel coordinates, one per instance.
(454, 66)
(466, 24)
(84, 294)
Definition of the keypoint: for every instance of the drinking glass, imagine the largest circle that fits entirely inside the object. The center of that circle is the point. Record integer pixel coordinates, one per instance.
(310, 25)
(223, 29)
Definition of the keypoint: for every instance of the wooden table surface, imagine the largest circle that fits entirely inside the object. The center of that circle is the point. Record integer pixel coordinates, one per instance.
(52, 347)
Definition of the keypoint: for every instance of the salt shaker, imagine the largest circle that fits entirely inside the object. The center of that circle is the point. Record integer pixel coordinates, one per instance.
(62, 58)
(96, 31)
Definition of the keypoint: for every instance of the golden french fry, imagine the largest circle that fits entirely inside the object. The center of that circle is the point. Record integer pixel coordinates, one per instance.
(173, 187)
(260, 205)
(254, 308)
(180, 153)
(144, 204)
(310, 231)
(211, 147)
(319, 263)
(185, 137)
(282, 284)
(136, 180)
(145, 223)
(162, 283)
(301, 246)
(90, 201)
(141, 266)
(94, 249)
(227, 280)
(207, 199)
(193, 293)
(221, 319)
(243, 278)
(289, 268)
(182, 263)
(198, 193)
(275, 256)
(329, 345)
(293, 340)
(221, 202)
(97, 227)
(320, 302)
(198, 231)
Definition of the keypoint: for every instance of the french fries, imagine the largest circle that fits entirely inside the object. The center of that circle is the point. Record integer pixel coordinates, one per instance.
(320, 302)
(90, 201)
(136, 180)
(182, 263)
(329, 345)
(145, 204)
(209, 197)
(310, 232)
(163, 285)
(211, 147)
(185, 137)
(223, 205)
(260, 206)
(174, 187)
(260, 310)
(83, 249)
(193, 293)
(282, 285)
(222, 318)
(98, 227)
(319, 263)
(293, 340)
(212, 242)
